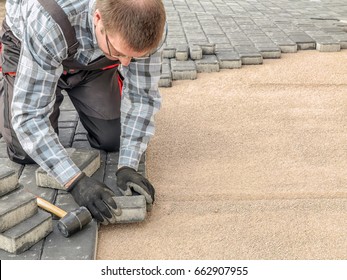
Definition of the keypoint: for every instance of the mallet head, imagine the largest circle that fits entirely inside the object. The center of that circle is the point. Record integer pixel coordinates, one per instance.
(74, 221)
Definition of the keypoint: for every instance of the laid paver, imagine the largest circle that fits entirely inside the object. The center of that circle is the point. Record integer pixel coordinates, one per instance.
(183, 70)
(8, 179)
(270, 27)
(195, 52)
(208, 64)
(229, 59)
(182, 52)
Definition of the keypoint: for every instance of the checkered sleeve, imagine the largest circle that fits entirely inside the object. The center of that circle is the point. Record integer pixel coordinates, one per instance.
(141, 100)
(39, 68)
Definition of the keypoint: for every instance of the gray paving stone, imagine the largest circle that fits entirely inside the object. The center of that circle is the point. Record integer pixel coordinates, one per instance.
(80, 137)
(81, 145)
(112, 158)
(16, 207)
(68, 116)
(304, 42)
(195, 52)
(183, 70)
(267, 51)
(18, 168)
(33, 253)
(3, 149)
(228, 59)
(342, 39)
(100, 173)
(287, 47)
(66, 136)
(67, 104)
(80, 129)
(207, 48)
(133, 209)
(86, 160)
(169, 52)
(166, 77)
(182, 53)
(208, 63)
(27, 233)
(328, 47)
(67, 124)
(28, 181)
(8, 179)
(249, 55)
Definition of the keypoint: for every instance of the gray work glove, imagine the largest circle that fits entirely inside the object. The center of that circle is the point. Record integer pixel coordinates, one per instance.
(96, 196)
(128, 179)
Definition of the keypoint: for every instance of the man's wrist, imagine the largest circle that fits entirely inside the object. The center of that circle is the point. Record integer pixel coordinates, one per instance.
(68, 184)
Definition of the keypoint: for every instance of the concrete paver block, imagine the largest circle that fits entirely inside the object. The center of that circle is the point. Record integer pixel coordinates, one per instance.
(195, 52)
(15, 166)
(208, 48)
(182, 53)
(288, 48)
(133, 208)
(165, 78)
(251, 58)
(328, 47)
(303, 41)
(81, 145)
(169, 52)
(208, 64)
(268, 52)
(15, 208)
(87, 160)
(33, 253)
(25, 234)
(66, 136)
(183, 70)
(228, 60)
(8, 179)
(28, 181)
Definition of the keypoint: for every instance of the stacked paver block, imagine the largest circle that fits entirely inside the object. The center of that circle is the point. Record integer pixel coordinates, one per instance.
(22, 224)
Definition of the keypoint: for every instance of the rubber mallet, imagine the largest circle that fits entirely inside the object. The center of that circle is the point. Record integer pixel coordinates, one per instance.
(70, 222)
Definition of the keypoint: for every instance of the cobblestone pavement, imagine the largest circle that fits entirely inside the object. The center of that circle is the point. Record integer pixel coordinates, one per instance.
(204, 36)
(209, 35)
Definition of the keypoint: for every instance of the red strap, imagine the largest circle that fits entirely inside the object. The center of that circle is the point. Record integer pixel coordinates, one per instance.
(110, 67)
(120, 85)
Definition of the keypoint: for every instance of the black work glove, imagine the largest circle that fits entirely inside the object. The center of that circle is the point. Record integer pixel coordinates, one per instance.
(128, 178)
(96, 196)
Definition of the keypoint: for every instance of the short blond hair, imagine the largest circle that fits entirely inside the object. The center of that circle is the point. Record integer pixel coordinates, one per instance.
(140, 22)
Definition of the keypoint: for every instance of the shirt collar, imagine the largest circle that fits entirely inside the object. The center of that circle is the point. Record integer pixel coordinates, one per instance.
(91, 11)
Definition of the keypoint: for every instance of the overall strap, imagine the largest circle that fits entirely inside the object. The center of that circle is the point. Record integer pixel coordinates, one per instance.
(59, 16)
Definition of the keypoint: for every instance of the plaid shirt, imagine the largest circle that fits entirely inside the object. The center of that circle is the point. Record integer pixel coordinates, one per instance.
(40, 66)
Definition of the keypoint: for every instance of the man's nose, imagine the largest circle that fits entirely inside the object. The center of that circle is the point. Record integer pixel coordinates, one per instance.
(125, 61)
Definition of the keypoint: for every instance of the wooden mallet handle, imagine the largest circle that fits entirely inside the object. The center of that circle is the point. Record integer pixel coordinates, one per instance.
(44, 204)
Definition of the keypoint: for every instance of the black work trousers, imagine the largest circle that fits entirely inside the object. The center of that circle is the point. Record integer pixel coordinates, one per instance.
(94, 93)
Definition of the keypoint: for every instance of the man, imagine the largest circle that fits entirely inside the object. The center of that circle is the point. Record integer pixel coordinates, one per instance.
(43, 54)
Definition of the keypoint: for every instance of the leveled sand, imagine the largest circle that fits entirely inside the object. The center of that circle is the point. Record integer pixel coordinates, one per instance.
(247, 164)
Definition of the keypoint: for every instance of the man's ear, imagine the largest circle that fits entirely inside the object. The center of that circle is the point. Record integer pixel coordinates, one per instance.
(97, 16)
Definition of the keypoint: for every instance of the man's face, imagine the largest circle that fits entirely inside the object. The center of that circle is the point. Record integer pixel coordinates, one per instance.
(113, 45)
